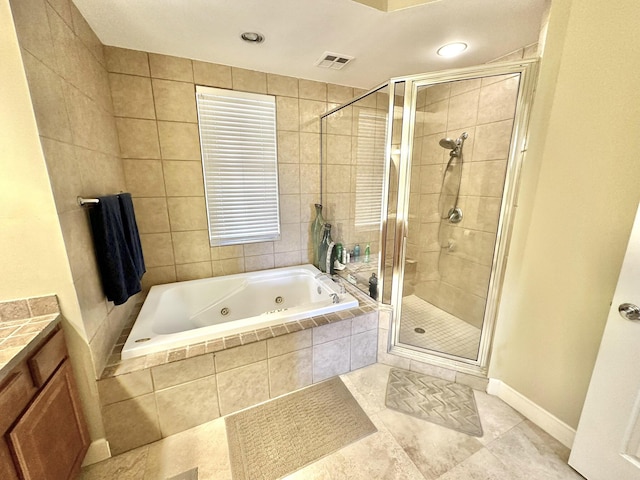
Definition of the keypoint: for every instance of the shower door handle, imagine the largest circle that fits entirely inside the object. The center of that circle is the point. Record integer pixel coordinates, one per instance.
(629, 311)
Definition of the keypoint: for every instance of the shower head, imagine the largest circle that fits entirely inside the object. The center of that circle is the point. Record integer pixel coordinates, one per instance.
(448, 143)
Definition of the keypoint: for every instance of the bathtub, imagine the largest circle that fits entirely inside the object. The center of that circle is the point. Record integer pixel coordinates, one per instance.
(180, 314)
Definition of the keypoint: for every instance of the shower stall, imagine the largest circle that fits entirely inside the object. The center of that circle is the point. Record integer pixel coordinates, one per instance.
(424, 171)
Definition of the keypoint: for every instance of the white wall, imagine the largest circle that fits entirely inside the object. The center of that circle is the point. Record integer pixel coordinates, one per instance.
(577, 203)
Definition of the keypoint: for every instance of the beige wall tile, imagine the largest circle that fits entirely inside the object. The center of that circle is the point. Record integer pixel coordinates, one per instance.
(131, 423)
(309, 148)
(281, 85)
(123, 387)
(170, 68)
(339, 179)
(187, 213)
(174, 373)
(310, 111)
(240, 356)
(364, 349)
(288, 343)
(174, 101)
(463, 110)
(259, 262)
(157, 249)
(290, 372)
(288, 147)
(436, 117)
(484, 178)
(287, 114)
(144, 178)
(132, 96)
(232, 266)
(364, 323)
(339, 93)
(230, 251)
(122, 60)
(289, 238)
(288, 259)
(338, 149)
(312, 90)
(179, 141)
(138, 138)
(309, 178)
(32, 27)
(340, 122)
(193, 271)
(436, 93)
(260, 248)
(191, 247)
(212, 74)
(47, 95)
(242, 387)
(183, 178)
(151, 214)
(249, 80)
(498, 101)
(331, 331)
(63, 167)
(92, 303)
(290, 208)
(331, 359)
(492, 141)
(76, 231)
(288, 179)
(86, 34)
(187, 405)
(158, 276)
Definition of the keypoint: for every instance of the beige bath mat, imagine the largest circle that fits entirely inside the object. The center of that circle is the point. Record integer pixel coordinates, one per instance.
(448, 404)
(283, 435)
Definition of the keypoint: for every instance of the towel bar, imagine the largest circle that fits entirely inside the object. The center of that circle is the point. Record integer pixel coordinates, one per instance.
(87, 201)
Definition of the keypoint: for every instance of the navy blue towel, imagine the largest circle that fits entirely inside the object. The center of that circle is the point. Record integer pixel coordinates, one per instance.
(120, 268)
(132, 237)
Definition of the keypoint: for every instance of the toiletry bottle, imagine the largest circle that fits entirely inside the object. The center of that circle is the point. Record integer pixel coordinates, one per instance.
(339, 252)
(345, 254)
(317, 228)
(367, 253)
(356, 253)
(348, 255)
(373, 286)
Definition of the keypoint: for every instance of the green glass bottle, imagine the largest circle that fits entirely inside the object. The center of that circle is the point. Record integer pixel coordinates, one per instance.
(316, 234)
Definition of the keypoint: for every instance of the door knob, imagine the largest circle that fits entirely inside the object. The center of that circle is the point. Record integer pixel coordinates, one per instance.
(629, 311)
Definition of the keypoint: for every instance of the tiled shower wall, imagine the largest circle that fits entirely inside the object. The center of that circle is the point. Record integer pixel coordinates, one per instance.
(155, 109)
(454, 260)
(69, 85)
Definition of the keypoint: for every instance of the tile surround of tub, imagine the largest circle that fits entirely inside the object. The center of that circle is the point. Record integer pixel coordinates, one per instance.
(157, 126)
(229, 374)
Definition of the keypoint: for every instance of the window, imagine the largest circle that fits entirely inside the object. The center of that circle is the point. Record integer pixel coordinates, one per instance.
(372, 130)
(239, 160)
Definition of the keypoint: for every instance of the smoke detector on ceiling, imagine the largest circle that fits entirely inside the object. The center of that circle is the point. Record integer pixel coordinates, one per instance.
(335, 61)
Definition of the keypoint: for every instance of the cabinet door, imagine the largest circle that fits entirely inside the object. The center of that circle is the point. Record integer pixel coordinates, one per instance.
(51, 439)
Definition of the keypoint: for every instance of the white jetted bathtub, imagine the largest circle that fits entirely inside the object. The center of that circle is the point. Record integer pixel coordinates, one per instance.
(185, 313)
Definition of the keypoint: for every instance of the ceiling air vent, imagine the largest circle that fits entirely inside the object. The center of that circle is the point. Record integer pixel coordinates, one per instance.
(335, 61)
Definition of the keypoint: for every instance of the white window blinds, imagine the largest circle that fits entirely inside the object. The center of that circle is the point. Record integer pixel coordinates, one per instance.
(372, 131)
(239, 158)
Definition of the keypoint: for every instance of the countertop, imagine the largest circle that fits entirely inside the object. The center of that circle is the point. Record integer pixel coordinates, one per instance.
(19, 337)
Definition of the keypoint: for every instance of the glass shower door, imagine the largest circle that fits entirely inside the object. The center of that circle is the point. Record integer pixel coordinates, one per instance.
(457, 177)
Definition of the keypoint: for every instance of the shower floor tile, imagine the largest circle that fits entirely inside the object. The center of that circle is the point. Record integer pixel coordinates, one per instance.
(443, 332)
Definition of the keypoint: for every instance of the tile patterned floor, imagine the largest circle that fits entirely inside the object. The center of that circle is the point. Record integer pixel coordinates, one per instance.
(443, 331)
(512, 448)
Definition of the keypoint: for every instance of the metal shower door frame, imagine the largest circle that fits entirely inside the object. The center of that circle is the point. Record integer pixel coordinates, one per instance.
(528, 70)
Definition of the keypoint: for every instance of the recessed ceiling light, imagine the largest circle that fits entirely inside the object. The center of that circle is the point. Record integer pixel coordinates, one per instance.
(452, 49)
(252, 37)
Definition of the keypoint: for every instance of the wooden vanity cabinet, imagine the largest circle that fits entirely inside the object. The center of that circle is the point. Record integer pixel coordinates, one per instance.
(46, 436)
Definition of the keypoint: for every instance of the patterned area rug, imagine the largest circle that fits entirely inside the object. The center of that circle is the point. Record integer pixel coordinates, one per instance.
(283, 435)
(438, 401)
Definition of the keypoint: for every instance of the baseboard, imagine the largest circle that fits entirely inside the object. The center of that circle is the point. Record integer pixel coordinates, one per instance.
(98, 451)
(534, 412)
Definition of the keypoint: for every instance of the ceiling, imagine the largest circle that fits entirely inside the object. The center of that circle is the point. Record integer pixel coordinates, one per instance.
(298, 32)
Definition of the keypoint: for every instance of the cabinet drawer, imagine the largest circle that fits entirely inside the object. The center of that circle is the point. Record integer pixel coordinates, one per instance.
(47, 359)
(15, 394)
